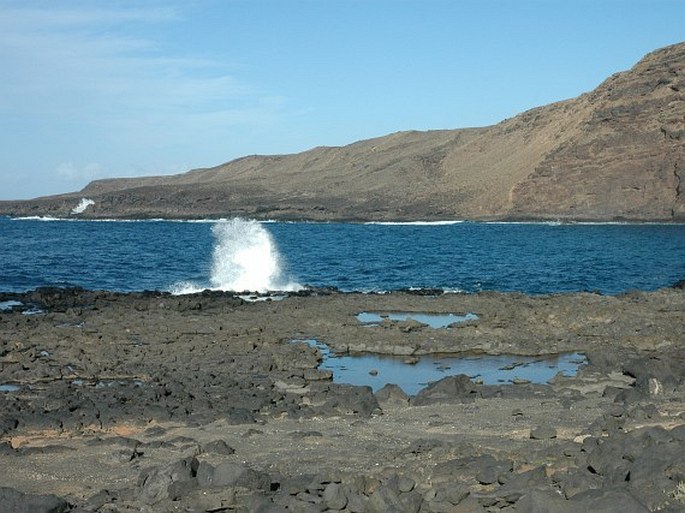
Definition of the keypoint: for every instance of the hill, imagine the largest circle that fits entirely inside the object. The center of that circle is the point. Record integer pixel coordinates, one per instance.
(617, 152)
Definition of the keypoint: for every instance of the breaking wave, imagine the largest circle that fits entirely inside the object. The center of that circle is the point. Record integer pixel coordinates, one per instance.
(244, 258)
(82, 206)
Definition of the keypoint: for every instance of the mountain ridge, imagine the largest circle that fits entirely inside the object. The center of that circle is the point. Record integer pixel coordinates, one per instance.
(614, 153)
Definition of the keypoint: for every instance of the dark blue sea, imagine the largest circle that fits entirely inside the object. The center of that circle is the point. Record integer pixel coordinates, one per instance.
(246, 255)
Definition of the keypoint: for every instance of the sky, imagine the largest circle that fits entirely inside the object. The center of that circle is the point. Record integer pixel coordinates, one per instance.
(96, 89)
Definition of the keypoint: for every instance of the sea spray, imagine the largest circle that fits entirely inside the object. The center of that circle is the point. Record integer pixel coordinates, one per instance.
(244, 258)
(82, 206)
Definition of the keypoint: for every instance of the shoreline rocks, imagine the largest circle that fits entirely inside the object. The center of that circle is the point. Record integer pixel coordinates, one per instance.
(152, 402)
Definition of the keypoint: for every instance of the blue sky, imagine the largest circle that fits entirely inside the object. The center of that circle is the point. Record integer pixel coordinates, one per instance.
(94, 89)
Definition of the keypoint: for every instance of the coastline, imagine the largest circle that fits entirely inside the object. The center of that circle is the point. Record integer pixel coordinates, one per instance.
(417, 222)
(201, 402)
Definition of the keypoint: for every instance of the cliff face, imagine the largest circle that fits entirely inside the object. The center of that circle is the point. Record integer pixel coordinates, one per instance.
(617, 152)
(627, 156)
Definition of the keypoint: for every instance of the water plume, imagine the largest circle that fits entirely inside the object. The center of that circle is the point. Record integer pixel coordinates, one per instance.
(245, 258)
(82, 206)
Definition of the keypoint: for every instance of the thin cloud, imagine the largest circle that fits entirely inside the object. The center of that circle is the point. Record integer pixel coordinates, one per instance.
(87, 66)
(24, 18)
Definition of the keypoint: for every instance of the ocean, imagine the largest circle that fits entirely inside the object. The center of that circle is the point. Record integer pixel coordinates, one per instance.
(239, 255)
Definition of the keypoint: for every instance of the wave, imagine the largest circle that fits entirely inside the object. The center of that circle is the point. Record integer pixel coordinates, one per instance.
(82, 206)
(40, 218)
(244, 258)
(415, 223)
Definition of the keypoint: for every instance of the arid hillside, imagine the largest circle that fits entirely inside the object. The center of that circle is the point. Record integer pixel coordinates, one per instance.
(617, 152)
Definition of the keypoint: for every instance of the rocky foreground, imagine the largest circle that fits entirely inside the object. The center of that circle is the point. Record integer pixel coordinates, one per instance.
(157, 403)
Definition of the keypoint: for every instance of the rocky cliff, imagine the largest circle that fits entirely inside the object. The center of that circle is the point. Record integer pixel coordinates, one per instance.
(617, 152)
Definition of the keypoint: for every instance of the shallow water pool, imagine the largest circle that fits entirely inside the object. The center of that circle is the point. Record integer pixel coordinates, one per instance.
(413, 374)
(434, 320)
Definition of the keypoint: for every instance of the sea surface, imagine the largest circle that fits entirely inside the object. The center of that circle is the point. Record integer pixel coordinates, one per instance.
(241, 255)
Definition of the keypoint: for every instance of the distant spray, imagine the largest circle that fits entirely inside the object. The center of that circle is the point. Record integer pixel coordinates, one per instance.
(82, 206)
(244, 258)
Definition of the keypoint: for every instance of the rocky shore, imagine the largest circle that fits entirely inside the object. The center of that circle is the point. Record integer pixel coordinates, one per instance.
(150, 402)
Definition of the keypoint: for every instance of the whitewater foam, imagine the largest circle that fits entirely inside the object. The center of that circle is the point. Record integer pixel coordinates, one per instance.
(244, 258)
(417, 223)
(82, 206)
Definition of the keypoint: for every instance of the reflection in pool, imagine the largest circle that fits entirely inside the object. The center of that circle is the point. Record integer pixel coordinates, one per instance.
(377, 371)
(433, 320)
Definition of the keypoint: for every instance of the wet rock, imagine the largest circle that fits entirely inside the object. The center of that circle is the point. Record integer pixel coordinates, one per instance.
(13, 501)
(452, 389)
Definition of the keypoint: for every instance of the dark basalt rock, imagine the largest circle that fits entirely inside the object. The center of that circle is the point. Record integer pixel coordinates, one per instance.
(392, 395)
(338, 399)
(484, 469)
(452, 389)
(218, 447)
(231, 474)
(680, 284)
(13, 501)
(160, 483)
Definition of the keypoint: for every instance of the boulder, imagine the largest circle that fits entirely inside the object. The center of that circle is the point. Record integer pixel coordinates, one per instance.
(612, 500)
(334, 497)
(218, 447)
(339, 399)
(231, 474)
(155, 484)
(484, 469)
(392, 395)
(452, 389)
(13, 501)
